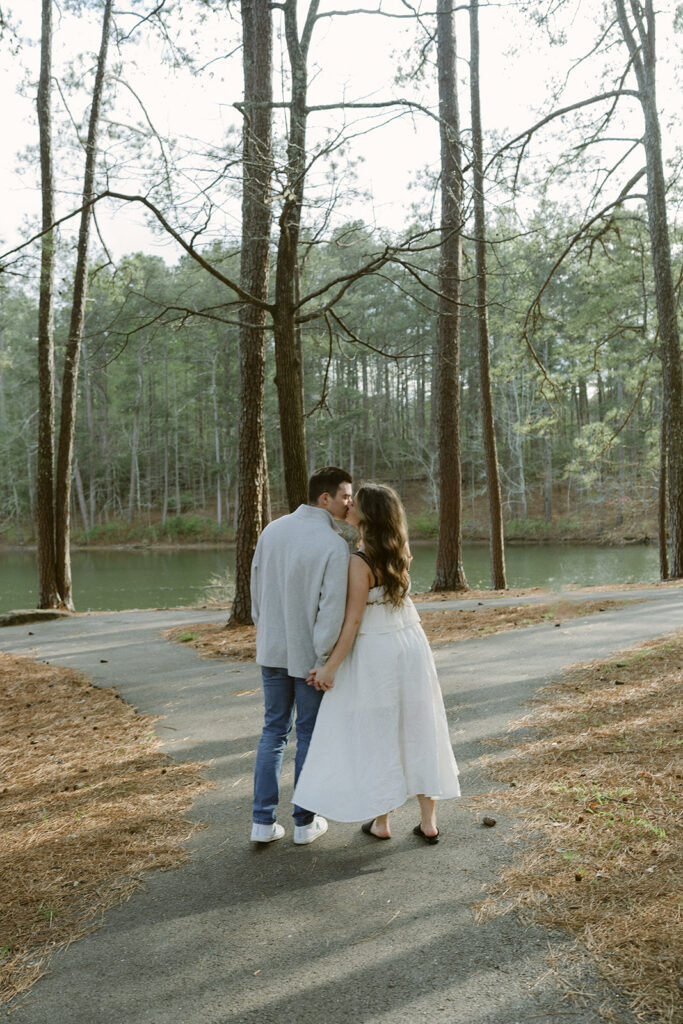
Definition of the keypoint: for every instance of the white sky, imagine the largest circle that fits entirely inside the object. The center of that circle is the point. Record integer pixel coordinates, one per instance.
(352, 57)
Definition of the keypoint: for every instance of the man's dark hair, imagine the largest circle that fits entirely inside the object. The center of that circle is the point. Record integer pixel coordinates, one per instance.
(329, 479)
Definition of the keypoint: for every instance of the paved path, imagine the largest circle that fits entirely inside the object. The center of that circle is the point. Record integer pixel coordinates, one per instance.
(342, 930)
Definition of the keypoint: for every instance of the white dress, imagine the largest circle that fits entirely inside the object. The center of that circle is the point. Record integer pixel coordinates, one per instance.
(381, 733)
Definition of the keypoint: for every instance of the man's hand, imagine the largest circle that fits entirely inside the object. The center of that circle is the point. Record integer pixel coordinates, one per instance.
(320, 678)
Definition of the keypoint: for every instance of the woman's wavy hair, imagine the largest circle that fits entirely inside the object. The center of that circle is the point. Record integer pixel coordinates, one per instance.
(382, 522)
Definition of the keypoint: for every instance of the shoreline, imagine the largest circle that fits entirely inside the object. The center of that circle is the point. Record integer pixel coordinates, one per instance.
(427, 600)
(230, 545)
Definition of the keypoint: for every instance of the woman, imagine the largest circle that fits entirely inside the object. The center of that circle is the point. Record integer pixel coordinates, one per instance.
(381, 734)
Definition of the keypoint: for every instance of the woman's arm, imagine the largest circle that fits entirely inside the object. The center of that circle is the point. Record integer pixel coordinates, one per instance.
(359, 583)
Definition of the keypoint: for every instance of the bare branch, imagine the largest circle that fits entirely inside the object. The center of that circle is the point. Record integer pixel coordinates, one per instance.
(594, 49)
(373, 262)
(635, 402)
(366, 344)
(144, 201)
(362, 10)
(525, 136)
(148, 119)
(404, 291)
(322, 401)
(141, 19)
(534, 312)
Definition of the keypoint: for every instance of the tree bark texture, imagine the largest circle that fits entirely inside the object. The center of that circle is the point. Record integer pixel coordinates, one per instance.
(662, 506)
(497, 542)
(67, 424)
(92, 442)
(257, 169)
(288, 365)
(640, 41)
(48, 593)
(449, 571)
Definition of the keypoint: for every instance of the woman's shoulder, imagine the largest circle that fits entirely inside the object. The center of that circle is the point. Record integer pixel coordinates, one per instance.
(361, 554)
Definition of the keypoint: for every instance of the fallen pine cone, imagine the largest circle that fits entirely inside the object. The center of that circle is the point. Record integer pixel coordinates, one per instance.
(490, 822)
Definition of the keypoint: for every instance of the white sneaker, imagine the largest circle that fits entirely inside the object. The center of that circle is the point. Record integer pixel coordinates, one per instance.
(266, 833)
(309, 833)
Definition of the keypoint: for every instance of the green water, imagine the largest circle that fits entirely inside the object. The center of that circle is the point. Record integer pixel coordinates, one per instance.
(111, 580)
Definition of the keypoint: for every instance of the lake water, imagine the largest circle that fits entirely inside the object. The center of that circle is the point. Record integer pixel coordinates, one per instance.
(114, 580)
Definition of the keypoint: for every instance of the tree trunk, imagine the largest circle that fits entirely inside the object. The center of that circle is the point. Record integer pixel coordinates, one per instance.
(548, 456)
(134, 487)
(449, 571)
(164, 500)
(497, 542)
(288, 375)
(73, 348)
(288, 363)
(583, 415)
(216, 444)
(92, 439)
(661, 507)
(641, 47)
(80, 494)
(601, 411)
(176, 453)
(48, 591)
(200, 430)
(257, 160)
(547, 479)
(621, 475)
(518, 450)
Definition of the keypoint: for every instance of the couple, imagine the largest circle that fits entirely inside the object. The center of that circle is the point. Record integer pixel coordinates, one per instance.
(344, 628)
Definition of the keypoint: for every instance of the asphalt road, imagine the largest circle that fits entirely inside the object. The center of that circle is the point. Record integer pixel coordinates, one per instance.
(346, 929)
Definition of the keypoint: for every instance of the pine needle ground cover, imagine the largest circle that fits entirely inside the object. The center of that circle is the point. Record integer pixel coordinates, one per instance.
(599, 789)
(216, 640)
(87, 805)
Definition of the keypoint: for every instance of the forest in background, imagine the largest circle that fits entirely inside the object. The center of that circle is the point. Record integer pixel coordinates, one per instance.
(510, 358)
(158, 417)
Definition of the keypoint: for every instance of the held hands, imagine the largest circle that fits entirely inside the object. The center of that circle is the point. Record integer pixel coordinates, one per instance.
(320, 678)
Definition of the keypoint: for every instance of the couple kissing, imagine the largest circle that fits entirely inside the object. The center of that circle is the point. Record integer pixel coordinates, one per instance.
(340, 645)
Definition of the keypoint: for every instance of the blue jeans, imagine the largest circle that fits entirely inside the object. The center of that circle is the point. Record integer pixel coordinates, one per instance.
(282, 693)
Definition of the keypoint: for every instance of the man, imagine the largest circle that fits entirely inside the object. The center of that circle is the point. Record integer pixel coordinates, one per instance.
(298, 594)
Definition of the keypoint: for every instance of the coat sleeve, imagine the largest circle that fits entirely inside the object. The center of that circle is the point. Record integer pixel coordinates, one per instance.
(332, 603)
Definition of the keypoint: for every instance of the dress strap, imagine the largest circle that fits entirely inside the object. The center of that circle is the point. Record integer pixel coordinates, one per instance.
(361, 554)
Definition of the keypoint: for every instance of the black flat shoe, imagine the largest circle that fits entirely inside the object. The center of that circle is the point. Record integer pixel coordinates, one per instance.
(368, 826)
(432, 840)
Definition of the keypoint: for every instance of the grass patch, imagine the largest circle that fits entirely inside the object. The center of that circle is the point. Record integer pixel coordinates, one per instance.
(600, 789)
(87, 803)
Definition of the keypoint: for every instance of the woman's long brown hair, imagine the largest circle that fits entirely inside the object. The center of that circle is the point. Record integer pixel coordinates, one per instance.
(385, 538)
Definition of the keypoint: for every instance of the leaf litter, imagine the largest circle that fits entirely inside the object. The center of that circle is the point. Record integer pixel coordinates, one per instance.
(598, 789)
(219, 640)
(88, 804)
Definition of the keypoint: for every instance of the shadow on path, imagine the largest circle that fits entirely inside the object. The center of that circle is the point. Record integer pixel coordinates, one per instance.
(344, 929)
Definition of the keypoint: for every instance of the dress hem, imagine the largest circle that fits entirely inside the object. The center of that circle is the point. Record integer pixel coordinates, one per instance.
(369, 812)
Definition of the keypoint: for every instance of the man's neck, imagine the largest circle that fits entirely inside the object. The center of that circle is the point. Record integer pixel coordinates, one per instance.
(319, 508)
